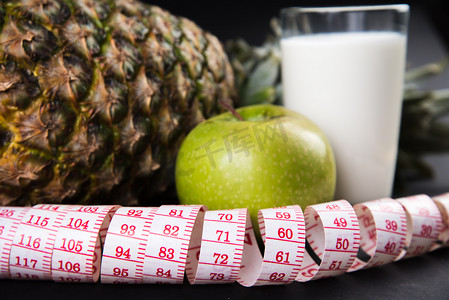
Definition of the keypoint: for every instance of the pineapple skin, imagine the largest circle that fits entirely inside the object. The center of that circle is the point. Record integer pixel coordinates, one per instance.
(96, 97)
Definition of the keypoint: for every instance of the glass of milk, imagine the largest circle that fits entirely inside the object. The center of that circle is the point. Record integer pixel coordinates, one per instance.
(343, 67)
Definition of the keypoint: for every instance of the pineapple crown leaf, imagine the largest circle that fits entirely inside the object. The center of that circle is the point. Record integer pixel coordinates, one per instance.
(426, 71)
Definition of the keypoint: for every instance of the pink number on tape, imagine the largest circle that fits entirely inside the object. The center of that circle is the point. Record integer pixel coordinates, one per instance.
(424, 224)
(383, 230)
(283, 232)
(125, 245)
(10, 218)
(334, 238)
(77, 248)
(442, 202)
(32, 247)
(221, 251)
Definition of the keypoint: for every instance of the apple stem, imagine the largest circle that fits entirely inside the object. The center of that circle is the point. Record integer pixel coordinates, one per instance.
(231, 109)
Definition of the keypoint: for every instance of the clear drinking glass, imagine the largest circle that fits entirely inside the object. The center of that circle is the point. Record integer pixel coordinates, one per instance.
(343, 67)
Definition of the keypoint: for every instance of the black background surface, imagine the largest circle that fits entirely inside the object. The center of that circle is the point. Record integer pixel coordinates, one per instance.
(249, 19)
(424, 277)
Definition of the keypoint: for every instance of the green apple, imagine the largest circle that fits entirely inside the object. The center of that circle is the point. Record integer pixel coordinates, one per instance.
(273, 157)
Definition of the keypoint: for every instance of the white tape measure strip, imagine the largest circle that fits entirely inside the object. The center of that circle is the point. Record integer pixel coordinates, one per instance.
(334, 237)
(160, 245)
(442, 202)
(125, 245)
(77, 249)
(221, 249)
(33, 243)
(424, 224)
(10, 218)
(169, 242)
(283, 233)
(383, 230)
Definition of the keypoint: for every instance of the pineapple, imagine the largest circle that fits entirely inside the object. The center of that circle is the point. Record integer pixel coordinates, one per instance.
(96, 97)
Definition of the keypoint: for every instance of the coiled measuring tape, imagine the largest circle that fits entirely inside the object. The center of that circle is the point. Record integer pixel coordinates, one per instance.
(135, 245)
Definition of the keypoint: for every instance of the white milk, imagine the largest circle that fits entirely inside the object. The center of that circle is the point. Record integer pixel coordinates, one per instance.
(350, 85)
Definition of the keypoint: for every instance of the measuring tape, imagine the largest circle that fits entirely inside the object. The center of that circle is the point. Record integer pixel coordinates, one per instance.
(136, 245)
